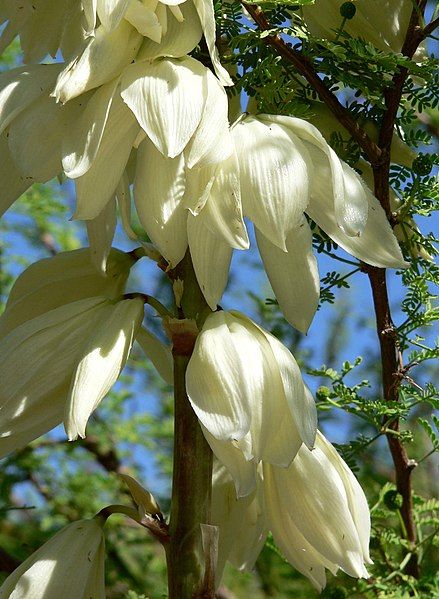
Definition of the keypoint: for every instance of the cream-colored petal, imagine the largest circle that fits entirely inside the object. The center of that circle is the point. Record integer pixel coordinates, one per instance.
(208, 23)
(37, 359)
(111, 12)
(242, 471)
(144, 20)
(64, 278)
(297, 395)
(355, 495)
(211, 142)
(241, 522)
(101, 362)
(103, 58)
(70, 564)
(158, 193)
(211, 258)
(313, 494)
(178, 40)
(168, 98)
(90, 7)
(97, 186)
(293, 275)
(81, 141)
(275, 437)
(298, 551)
(216, 382)
(123, 196)
(377, 245)
(100, 233)
(22, 86)
(41, 125)
(274, 177)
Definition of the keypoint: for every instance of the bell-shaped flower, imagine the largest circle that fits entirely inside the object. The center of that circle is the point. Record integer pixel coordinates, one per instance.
(71, 564)
(384, 25)
(246, 387)
(161, 115)
(189, 20)
(168, 97)
(62, 279)
(285, 168)
(44, 27)
(318, 514)
(315, 509)
(59, 365)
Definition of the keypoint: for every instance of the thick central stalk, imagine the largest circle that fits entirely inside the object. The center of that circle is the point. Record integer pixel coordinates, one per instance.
(192, 467)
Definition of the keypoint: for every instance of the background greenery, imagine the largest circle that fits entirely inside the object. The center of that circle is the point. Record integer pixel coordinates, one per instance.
(53, 482)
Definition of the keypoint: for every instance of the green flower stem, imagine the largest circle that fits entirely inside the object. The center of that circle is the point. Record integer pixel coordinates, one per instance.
(192, 470)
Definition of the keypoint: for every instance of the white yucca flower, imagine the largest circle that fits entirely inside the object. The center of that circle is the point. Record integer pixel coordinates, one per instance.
(282, 167)
(189, 21)
(69, 565)
(384, 23)
(58, 367)
(246, 388)
(315, 509)
(29, 118)
(44, 26)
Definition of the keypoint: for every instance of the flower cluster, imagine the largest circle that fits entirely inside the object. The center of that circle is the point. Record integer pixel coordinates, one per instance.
(129, 109)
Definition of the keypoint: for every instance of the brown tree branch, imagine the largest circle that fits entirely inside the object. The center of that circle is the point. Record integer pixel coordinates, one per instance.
(377, 278)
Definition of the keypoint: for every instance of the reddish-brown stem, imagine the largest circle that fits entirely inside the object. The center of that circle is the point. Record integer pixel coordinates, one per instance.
(379, 157)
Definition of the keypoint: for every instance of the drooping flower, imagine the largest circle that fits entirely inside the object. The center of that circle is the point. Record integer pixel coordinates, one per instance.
(168, 108)
(315, 509)
(59, 365)
(151, 20)
(246, 388)
(44, 27)
(384, 24)
(71, 564)
(285, 168)
(30, 118)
